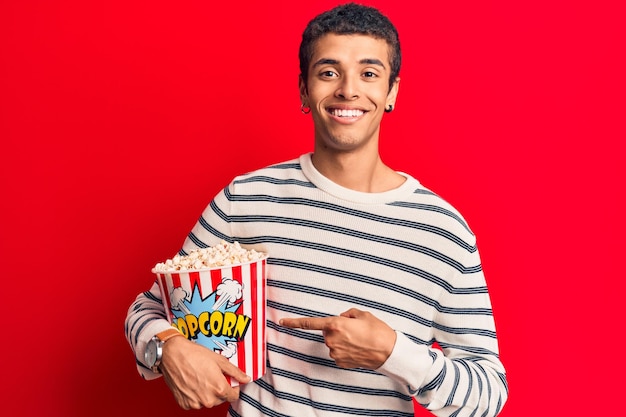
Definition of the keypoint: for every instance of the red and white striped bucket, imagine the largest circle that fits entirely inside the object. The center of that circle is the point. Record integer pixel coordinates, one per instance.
(222, 309)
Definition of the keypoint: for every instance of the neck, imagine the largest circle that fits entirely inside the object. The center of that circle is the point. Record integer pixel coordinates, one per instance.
(357, 171)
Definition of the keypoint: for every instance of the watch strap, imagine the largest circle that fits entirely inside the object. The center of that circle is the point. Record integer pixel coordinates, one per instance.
(165, 335)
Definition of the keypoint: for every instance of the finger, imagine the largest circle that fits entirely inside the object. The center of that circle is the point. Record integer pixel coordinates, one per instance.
(242, 378)
(236, 373)
(309, 323)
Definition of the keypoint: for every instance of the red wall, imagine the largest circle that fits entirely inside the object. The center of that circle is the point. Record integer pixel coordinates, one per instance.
(119, 120)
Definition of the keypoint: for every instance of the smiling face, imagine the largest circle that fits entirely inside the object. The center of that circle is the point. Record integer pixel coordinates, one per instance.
(347, 90)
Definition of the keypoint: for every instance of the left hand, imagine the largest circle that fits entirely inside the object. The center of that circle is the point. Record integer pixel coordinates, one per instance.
(356, 338)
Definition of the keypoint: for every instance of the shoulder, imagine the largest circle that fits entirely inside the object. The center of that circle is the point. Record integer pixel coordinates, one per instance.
(435, 211)
(265, 180)
(279, 170)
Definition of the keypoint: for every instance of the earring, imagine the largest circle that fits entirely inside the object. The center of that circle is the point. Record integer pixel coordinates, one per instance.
(305, 109)
(389, 109)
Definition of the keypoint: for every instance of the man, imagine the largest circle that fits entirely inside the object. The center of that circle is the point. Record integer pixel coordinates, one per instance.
(367, 268)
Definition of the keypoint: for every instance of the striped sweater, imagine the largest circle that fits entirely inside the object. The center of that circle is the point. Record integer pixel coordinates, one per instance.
(404, 255)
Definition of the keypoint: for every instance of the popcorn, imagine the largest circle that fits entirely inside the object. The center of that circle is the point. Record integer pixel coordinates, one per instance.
(216, 297)
(223, 254)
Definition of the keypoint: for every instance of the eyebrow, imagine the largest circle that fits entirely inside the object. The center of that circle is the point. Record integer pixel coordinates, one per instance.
(367, 61)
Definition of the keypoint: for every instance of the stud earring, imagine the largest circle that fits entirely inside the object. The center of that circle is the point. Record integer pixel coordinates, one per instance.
(389, 109)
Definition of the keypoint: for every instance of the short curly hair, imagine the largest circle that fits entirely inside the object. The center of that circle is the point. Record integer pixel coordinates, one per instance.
(349, 19)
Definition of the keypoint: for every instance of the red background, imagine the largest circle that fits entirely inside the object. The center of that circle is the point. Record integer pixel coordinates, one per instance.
(120, 120)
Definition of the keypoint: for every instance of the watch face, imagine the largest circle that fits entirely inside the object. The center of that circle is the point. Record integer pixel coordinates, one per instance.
(151, 353)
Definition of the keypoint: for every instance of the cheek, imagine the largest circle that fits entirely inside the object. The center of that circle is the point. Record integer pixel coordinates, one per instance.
(317, 94)
(316, 103)
(384, 95)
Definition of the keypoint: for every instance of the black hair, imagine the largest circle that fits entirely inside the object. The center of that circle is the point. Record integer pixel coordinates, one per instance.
(350, 19)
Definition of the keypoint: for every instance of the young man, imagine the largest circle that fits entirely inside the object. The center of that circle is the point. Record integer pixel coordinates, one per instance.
(367, 268)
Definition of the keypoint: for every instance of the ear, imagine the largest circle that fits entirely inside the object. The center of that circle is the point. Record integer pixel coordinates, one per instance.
(393, 93)
(304, 94)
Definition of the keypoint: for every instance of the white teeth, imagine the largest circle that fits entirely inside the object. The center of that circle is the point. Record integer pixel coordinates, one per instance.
(346, 113)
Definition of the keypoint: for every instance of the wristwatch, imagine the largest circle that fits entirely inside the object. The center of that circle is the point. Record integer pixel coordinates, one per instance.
(154, 348)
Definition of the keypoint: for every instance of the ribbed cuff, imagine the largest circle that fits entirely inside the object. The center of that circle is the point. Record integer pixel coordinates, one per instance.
(409, 363)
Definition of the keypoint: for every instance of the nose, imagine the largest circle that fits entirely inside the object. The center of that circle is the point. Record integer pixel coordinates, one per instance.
(347, 89)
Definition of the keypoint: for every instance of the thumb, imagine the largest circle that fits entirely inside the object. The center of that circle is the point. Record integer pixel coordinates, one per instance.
(353, 313)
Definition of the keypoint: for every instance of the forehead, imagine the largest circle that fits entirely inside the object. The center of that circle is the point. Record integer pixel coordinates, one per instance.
(348, 49)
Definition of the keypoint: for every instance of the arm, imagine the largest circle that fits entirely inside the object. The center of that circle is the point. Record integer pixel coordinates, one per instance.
(145, 318)
(448, 381)
(442, 383)
(194, 374)
(465, 377)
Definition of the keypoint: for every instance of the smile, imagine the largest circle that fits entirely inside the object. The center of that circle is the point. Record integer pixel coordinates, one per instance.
(346, 113)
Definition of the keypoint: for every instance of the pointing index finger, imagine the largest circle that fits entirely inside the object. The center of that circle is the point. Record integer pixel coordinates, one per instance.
(309, 323)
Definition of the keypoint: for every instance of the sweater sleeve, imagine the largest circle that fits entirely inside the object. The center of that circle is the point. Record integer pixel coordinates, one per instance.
(464, 377)
(145, 318)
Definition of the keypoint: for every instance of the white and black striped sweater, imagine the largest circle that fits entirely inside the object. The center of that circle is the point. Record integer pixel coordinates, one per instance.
(405, 255)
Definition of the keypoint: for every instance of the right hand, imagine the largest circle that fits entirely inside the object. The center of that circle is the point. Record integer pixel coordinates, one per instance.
(196, 375)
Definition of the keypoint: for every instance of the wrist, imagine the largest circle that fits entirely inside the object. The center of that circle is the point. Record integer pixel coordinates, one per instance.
(154, 349)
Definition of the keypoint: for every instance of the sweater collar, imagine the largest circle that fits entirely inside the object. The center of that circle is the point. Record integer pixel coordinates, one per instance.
(400, 193)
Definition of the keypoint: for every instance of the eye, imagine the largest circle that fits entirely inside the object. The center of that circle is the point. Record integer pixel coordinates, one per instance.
(328, 74)
(370, 74)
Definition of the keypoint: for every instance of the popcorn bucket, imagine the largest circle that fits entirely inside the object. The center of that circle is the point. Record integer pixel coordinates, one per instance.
(222, 309)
